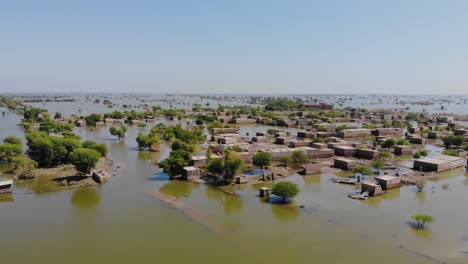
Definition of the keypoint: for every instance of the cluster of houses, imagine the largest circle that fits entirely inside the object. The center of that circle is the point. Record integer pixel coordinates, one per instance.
(346, 149)
(110, 121)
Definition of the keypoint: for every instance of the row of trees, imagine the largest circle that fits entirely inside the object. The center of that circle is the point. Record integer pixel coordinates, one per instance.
(52, 151)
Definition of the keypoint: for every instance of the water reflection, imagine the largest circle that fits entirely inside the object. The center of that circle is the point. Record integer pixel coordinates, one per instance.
(6, 197)
(4, 167)
(86, 198)
(160, 176)
(148, 155)
(285, 212)
(449, 174)
(375, 201)
(230, 203)
(418, 232)
(421, 197)
(178, 189)
(312, 180)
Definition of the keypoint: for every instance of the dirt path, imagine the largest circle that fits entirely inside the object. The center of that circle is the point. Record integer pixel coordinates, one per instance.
(199, 218)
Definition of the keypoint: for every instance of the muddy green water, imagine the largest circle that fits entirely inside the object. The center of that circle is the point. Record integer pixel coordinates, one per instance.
(121, 222)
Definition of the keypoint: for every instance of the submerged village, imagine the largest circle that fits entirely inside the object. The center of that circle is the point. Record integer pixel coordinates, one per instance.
(229, 147)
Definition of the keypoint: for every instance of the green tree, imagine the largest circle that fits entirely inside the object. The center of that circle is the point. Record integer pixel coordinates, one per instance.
(321, 128)
(146, 141)
(262, 159)
(215, 166)
(299, 156)
(285, 190)
(33, 113)
(272, 131)
(342, 127)
(402, 142)
(92, 119)
(142, 141)
(388, 143)
(13, 140)
(85, 159)
(101, 148)
(225, 168)
(9, 151)
(23, 167)
(286, 160)
(231, 166)
(363, 170)
(384, 155)
(118, 132)
(177, 160)
(88, 144)
(178, 144)
(40, 149)
(237, 148)
(378, 165)
(448, 140)
(458, 140)
(421, 219)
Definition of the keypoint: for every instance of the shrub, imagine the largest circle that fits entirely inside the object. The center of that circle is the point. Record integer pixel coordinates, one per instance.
(450, 152)
(384, 155)
(272, 131)
(286, 160)
(378, 164)
(299, 156)
(403, 142)
(363, 169)
(321, 128)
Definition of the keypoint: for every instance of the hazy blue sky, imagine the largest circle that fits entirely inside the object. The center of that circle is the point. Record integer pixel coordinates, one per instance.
(201, 46)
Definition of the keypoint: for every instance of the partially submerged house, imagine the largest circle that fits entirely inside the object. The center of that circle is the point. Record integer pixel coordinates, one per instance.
(417, 140)
(190, 172)
(6, 186)
(367, 154)
(282, 140)
(403, 150)
(388, 131)
(373, 189)
(438, 163)
(310, 168)
(242, 120)
(259, 139)
(434, 135)
(305, 134)
(388, 182)
(296, 143)
(354, 133)
(344, 164)
(200, 161)
(345, 151)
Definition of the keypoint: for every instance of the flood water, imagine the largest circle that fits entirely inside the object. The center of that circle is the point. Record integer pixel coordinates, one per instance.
(121, 222)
